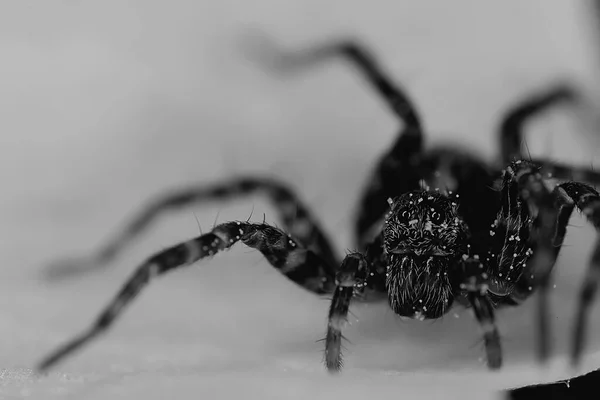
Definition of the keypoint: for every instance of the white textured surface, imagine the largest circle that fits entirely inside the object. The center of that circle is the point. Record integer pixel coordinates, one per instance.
(104, 105)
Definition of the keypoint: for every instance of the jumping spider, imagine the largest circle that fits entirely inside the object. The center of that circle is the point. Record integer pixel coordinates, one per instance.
(484, 236)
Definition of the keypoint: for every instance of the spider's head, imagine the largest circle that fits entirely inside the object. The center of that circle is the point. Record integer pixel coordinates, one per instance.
(423, 238)
(423, 223)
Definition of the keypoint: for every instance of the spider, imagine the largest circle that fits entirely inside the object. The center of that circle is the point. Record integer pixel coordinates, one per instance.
(434, 226)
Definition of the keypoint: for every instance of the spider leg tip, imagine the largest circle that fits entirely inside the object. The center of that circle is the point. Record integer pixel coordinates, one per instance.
(334, 368)
(495, 363)
(62, 270)
(42, 368)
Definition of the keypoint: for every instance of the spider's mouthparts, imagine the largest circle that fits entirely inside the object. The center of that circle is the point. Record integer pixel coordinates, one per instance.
(421, 253)
(432, 253)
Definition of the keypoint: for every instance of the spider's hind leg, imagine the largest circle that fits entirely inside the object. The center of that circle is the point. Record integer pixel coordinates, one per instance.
(357, 54)
(296, 217)
(513, 123)
(512, 134)
(299, 264)
(396, 172)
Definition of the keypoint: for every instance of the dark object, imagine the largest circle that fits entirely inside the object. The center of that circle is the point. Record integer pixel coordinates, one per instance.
(579, 388)
(484, 236)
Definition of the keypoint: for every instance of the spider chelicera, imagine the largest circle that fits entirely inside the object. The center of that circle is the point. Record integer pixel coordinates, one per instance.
(434, 226)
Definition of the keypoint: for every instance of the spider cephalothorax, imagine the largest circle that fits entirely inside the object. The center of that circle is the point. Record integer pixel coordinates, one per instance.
(491, 243)
(423, 238)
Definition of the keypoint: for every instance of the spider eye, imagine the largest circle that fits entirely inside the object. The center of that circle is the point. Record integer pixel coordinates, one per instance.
(404, 214)
(436, 217)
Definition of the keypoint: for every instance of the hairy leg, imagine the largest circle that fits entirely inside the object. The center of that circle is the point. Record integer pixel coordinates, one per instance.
(513, 123)
(362, 277)
(474, 285)
(296, 217)
(350, 279)
(300, 265)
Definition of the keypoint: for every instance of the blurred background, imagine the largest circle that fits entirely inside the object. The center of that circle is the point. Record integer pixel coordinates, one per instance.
(104, 105)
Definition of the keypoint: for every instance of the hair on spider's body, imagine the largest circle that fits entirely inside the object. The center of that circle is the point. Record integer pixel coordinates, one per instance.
(423, 238)
(489, 237)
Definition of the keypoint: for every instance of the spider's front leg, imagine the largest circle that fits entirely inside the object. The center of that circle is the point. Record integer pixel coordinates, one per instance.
(350, 279)
(474, 285)
(299, 264)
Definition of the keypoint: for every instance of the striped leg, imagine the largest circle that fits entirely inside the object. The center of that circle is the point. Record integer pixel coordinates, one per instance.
(511, 129)
(350, 279)
(302, 266)
(475, 286)
(296, 217)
